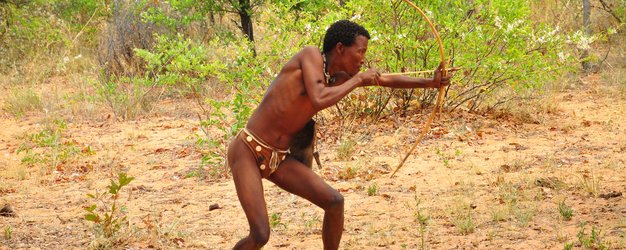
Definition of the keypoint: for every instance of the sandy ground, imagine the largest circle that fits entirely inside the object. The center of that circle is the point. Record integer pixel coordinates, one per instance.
(477, 182)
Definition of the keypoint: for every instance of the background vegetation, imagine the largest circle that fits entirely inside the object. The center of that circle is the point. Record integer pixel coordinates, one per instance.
(67, 65)
(128, 56)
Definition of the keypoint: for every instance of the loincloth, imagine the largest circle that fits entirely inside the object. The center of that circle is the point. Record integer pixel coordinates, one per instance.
(303, 145)
(267, 157)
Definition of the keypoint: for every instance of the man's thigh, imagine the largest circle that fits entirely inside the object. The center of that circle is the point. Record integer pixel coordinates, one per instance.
(298, 179)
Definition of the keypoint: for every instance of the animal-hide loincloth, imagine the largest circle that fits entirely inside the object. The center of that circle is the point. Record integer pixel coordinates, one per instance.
(267, 157)
(303, 145)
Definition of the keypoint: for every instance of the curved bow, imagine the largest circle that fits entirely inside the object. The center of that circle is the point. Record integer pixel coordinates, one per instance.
(441, 88)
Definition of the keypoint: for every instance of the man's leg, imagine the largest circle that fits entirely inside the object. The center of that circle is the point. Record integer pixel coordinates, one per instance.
(249, 187)
(294, 177)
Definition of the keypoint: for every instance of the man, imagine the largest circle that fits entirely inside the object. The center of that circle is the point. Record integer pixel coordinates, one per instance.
(309, 82)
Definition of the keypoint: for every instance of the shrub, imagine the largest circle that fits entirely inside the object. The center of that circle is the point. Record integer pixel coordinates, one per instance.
(109, 218)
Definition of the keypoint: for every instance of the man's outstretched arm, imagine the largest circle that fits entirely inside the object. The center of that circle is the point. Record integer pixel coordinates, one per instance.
(401, 81)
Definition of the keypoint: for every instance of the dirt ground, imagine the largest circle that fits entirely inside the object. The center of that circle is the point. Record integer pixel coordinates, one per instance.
(476, 182)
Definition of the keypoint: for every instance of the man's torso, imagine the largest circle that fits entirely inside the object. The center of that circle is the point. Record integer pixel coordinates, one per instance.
(286, 107)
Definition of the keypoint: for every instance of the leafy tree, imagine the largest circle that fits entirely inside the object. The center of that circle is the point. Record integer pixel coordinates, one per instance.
(243, 8)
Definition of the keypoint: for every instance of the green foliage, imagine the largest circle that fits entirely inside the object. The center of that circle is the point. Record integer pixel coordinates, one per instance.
(109, 218)
(497, 44)
(35, 31)
(494, 41)
(422, 220)
(372, 189)
(177, 15)
(8, 232)
(229, 114)
(346, 149)
(48, 148)
(568, 246)
(175, 63)
(592, 241)
(463, 220)
(276, 221)
(30, 31)
(565, 211)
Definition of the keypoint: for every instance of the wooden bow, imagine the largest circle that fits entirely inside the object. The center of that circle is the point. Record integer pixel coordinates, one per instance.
(441, 88)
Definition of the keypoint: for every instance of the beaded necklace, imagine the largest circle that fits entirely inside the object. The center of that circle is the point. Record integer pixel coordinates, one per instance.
(327, 77)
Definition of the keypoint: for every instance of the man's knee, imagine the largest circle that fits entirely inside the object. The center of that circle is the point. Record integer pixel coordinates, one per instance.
(335, 201)
(260, 236)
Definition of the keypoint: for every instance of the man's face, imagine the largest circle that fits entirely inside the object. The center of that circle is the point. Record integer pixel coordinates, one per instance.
(354, 55)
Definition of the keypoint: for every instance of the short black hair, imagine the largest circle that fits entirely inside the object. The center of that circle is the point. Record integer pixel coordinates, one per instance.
(343, 31)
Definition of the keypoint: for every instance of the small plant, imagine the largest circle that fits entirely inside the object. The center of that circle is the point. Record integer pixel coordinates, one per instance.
(346, 149)
(109, 218)
(310, 223)
(523, 214)
(422, 221)
(499, 214)
(592, 241)
(590, 183)
(447, 157)
(466, 223)
(49, 148)
(196, 172)
(568, 246)
(566, 211)
(347, 173)
(458, 152)
(275, 220)
(372, 190)
(8, 232)
(444, 157)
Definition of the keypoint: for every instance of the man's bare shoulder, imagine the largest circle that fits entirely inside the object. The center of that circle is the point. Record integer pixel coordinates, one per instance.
(309, 52)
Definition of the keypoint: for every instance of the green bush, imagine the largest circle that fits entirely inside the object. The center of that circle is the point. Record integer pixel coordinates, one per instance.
(498, 46)
(504, 54)
(174, 64)
(33, 32)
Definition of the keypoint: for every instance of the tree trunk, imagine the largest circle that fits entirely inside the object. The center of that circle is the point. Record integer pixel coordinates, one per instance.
(586, 26)
(246, 21)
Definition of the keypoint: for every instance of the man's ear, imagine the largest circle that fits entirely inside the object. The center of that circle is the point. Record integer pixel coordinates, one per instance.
(340, 47)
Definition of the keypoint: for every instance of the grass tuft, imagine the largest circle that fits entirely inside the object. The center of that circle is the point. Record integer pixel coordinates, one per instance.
(21, 102)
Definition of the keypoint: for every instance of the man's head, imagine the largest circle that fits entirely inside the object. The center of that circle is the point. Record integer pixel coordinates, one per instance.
(349, 40)
(344, 32)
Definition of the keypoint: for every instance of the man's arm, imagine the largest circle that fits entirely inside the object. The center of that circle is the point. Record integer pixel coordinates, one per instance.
(321, 95)
(400, 81)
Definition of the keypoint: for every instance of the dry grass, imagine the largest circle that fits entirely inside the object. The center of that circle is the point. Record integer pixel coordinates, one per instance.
(22, 101)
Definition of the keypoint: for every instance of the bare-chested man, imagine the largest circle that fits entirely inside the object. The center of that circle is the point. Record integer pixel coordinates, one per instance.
(310, 81)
